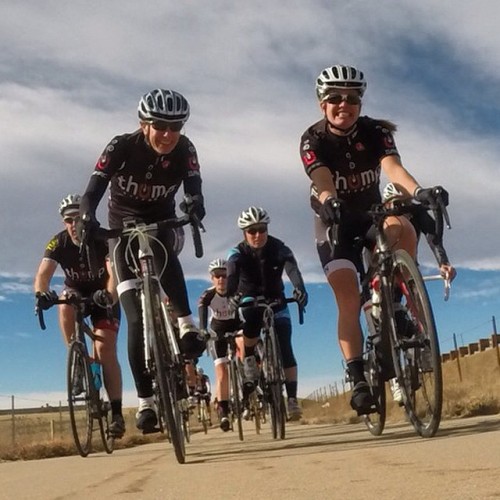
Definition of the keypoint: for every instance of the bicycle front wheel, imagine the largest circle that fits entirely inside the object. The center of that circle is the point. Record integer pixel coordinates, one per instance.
(79, 398)
(108, 441)
(164, 368)
(274, 383)
(236, 397)
(417, 348)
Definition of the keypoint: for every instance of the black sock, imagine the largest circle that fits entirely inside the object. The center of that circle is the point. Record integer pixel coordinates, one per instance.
(291, 389)
(356, 370)
(116, 407)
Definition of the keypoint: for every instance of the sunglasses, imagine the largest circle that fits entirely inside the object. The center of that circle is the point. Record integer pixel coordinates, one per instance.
(163, 126)
(348, 98)
(219, 275)
(70, 220)
(257, 229)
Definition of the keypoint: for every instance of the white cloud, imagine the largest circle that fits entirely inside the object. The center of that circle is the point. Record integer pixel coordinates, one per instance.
(73, 74)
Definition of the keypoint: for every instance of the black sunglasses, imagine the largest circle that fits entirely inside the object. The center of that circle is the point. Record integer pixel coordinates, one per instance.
(163, 126)
(257, 229)
(219, 274)
(348, 98)
(70, 220)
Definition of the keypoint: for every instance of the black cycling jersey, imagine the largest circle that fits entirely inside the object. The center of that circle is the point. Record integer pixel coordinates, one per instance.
(222, 319)
(77, 272)
(253, 272)
(143, 183)
(353, 160)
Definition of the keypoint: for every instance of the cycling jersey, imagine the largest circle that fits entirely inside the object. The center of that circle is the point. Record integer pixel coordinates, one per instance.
(353, 160)
(143, 184)
(222, 319)
(78, 275)
(253, 272)
(203, 384)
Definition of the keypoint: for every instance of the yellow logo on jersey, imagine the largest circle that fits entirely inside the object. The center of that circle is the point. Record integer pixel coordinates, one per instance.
(52, 244)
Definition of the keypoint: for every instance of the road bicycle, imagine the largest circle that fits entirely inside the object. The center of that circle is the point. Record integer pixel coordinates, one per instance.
(202, 413)
(402, 341)
(272, 372)
(164, 360)
(87, 402)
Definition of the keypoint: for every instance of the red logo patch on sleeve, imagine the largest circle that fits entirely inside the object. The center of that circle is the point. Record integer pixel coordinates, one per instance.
(309, 157)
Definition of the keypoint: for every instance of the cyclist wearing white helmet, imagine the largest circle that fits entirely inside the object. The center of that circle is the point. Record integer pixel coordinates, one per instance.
(64, 250)
(343, 155)
(223, 319)
(255, 268)
(145, 169)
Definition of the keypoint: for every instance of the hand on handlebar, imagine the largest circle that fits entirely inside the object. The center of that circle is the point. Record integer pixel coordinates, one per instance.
(45, 300)
(193, 205)
(330, 211)
(301, 297)
(431, 196)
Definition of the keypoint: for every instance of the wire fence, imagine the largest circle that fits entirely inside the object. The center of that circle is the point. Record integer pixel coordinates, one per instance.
(457, 351)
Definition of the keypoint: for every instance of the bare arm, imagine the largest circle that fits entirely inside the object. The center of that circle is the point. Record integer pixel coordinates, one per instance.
(44, 275)
(398, 175)
(323, 180)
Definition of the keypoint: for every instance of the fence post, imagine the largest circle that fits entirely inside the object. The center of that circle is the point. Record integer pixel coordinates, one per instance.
(495, 339)
(60, 421)
(52, 428)
(458, 358)
(13, 420)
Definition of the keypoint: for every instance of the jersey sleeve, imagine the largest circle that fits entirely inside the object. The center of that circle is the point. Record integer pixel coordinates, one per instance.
(310, 152)
(384, 141)
(52, 249)
(192, 180)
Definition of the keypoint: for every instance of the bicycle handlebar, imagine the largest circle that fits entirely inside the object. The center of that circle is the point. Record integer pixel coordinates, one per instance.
(447, 283)
(73, 299)
(261, 301)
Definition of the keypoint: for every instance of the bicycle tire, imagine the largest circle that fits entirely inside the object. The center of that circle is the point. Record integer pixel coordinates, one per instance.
(236, 398)
(108, 441)
(163, 367)
(79, 398)
(375, 422)
(255, 410)
(422, 385)
(275, 385)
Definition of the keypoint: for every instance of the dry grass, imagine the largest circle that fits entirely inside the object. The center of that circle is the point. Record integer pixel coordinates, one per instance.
(477, 394)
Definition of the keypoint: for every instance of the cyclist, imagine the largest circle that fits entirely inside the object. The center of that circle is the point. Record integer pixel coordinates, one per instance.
(204, 389)
(255, 268)
(64, 250)
(423, 223)
(343, 155)
(223, 319)
(145, 169)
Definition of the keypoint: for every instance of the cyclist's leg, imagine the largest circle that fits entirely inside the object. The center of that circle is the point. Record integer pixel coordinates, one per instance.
(283, 327)
(401, 233)
(172, 280)
(66, 315)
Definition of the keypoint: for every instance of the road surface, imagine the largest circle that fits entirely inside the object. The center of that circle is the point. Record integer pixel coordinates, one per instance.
(313, 462)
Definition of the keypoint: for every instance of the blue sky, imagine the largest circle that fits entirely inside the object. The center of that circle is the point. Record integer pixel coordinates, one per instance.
(71, 77)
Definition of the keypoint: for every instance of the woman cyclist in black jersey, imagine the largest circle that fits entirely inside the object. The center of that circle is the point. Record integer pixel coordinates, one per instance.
(145, 169)
(223, 319)
(343, 155)
(255, 268)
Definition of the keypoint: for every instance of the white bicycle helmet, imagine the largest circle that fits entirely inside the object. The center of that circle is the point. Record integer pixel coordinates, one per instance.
(339, 76)
(251, 216)
(216, 264)
(390, 192)
(164, 105)
(70, 202)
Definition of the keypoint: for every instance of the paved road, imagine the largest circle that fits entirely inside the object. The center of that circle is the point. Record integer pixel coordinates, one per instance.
(313, 462)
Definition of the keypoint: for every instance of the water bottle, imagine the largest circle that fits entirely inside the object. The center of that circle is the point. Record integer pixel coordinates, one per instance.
(376, 297)
(95, 369)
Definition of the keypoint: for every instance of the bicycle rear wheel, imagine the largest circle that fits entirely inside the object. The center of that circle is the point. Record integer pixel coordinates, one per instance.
(79, 398)
(236, 397)
(375, 422)
(164, 368)
(274, 382)
(417, 355)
